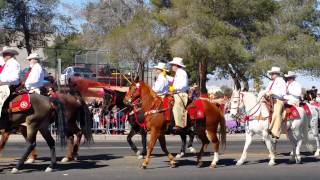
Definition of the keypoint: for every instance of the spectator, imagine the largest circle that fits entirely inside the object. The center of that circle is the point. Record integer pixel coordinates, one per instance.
(96, 120)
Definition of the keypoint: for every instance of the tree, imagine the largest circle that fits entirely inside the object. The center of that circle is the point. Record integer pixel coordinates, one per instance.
(63, 48)
(32, 23)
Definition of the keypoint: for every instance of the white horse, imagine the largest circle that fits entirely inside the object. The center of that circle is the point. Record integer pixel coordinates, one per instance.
(313, 123)
(257, 114)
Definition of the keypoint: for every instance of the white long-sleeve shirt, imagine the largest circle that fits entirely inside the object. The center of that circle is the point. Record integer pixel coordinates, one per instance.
(277, 87)
(35, 78)
(161, 86)
(294, 88)
(10, 72)
(180, 81)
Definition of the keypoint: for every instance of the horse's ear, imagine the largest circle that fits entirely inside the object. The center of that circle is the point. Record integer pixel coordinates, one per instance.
(136, 79)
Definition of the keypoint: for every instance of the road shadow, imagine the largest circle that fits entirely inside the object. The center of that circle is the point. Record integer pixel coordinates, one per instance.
(84, 162)
(284, 161)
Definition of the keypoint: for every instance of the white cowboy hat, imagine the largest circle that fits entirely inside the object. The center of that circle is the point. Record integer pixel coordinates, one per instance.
(9, 50)
(33, 56)
(161, 66)
(177, 61)
(290, 74)
(274, 70)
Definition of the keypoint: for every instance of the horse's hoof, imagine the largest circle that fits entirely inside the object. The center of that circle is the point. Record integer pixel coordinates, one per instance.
(30, 161)
(212, 166)
(143, 167)
(140, 157)
(192, 150)
(138, 153)
(178, 156)
(239, 163)
(75, 158)
(173, 164)
(298, 160)
(199, 165)
(14, 171)
(64, 160)
(48, 169)
(291, 153)
(272, 163)
(317, 153)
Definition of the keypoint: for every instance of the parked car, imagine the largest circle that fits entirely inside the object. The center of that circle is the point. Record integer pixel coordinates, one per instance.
(72, 71)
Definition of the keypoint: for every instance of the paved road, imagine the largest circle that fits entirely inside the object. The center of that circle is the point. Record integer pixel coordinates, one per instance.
(114, 160)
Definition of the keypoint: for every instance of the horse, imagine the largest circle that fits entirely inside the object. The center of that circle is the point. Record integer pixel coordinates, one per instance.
(152, 106)
(256, 115)
(113, 98)
(42, 112)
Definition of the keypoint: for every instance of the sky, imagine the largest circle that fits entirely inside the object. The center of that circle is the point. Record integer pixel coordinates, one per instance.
(306, 81)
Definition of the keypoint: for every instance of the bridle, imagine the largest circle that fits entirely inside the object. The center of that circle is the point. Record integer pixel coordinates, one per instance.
(246, 116)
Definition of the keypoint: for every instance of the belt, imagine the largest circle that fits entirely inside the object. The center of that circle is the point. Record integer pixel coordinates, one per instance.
(277, 97)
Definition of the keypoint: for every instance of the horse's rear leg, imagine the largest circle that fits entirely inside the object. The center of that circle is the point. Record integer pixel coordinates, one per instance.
(212, 135)
(163, 144)
(183, 137)
(154, 134)
(76, 146)
(51, 143)
(201, 132)
(4, 140)
(143, 133)
(293, 142)
(68, 156)
(31, 144)
(34, 154)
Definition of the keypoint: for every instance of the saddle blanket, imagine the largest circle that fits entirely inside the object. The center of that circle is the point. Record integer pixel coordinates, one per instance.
(196, 112)
(292, 113)
(20, 103)
(307, 110)
(167, 105)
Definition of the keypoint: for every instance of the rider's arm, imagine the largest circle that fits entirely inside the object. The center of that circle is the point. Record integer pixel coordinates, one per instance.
(10, 75)
(159, 84)
(34, 75)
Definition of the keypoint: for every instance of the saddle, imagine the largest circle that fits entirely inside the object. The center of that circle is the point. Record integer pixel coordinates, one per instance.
(19, 103)
(167, 104)
(307, 110)
(291, 113)
(196, 112)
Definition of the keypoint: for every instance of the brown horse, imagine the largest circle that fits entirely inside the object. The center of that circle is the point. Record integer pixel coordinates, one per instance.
(206, 129)
(75, 111)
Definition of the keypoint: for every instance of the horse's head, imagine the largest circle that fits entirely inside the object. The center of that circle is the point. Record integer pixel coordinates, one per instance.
(133, 93)
(236, 103)
(108, 100)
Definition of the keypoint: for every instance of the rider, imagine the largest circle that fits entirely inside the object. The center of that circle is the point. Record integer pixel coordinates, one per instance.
(276, 89)
(294, 89)
(35, 77)
(161, 85)
(179, 86)
(9, 75)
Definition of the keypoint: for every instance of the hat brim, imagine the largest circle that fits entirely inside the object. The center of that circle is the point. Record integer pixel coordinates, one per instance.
(288, 76)
(274, 72)
(9, 51)
(37, 58)
(156, 67)
(173, 63)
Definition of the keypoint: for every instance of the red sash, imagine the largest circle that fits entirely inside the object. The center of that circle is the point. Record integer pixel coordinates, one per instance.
(272, 85)
(292, 113)
(2, 68)
(28, 73)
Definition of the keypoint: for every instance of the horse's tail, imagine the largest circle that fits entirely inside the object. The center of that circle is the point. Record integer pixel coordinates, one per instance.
(86, 122)
(60, 122)
(223, 132)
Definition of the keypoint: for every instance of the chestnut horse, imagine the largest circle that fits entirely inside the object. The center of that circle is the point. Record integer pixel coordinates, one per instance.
(205, 129)
(113, 98)
(75, 111)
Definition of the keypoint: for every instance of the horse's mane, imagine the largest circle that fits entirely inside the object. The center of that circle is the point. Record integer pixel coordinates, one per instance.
(149, 89)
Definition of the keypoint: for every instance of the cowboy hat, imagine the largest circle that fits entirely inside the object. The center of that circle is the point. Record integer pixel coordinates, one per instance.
(161, 66)
(8, 50)
(33, 56)
(290, 74)
(177, 61)
(274, 70)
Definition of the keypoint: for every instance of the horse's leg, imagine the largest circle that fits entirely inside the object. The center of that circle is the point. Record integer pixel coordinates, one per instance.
(4, 140)
(201, 132)
(154, 134)
(293, 143)
(76, 146)
(248, 142)
(131, 143)
(183, 137)
(315, 133)
(191, 138)
(143, 133)
(34, 154)
(51, 143)
(162, 140)
(270, 146)
(299, 139)
(68, 156)
(212, 135)
(31, 144)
